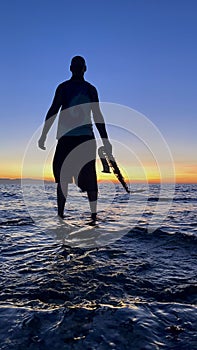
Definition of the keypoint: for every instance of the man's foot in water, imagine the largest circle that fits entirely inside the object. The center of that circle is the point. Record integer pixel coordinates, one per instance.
(93, 219)
(61, 216)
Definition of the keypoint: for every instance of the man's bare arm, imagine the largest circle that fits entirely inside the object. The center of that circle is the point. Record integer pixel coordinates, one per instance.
(100, 124)
(50, 117)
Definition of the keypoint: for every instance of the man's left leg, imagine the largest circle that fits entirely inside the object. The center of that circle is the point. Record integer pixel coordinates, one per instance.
(92, 197)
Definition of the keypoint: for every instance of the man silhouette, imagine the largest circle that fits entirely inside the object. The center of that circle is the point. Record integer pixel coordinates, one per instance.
(75, 154)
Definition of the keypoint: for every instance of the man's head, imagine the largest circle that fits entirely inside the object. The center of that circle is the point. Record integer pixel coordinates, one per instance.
(78, 65)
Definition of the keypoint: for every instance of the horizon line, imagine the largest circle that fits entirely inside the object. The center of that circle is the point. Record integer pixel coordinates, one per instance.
(149, 181)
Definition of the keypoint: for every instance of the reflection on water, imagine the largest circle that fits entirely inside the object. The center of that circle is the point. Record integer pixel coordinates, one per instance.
(135, 292)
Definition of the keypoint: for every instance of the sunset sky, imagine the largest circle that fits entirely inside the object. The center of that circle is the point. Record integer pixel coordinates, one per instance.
(140, 54)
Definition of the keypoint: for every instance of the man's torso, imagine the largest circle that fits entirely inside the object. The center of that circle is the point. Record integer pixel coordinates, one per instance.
(75, 115)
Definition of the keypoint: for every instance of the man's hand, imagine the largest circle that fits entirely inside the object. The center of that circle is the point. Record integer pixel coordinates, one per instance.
(108, 146)
(41, 142)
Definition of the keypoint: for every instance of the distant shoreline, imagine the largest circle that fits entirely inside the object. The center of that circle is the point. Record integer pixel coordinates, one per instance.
(17, 181)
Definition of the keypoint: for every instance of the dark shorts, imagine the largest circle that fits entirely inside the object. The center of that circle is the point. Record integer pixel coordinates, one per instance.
(75, 158)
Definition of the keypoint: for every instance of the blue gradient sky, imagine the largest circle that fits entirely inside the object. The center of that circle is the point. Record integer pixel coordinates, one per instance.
(140, 53)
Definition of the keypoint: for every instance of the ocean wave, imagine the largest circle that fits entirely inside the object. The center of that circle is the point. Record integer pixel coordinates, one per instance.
(162, 233)
(99, 326)
(17, 222)
(174, 199)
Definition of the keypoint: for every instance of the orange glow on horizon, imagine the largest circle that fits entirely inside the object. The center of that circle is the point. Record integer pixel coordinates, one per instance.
(185, 172)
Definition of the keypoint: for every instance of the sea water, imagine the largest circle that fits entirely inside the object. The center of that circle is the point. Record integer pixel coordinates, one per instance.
(134, 290)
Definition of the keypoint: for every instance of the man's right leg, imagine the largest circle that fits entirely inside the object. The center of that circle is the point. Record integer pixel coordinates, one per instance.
(61, 198)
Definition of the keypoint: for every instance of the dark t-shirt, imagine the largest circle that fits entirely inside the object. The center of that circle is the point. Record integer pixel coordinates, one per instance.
(74, 99)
